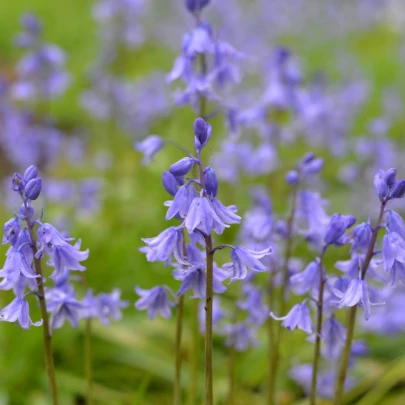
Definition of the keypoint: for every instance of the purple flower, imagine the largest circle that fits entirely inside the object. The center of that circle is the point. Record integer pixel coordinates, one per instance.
(109, 306)
(170, 183)
(12, 229)
(211, 182)
(333, 336)
(196, 5)
(62, 254)
(31, 173)
(308, 279)
(181, 202)
(149, 147)
(387, 186)
(360, 237)
(226, 214)
(17, 182)
(395, 223)
(393, 250)
(33, 188)
(310, 164)
(166, 244)
(202, 216)
(253, 305)
(356, 293)
(298, 317)
(195, 279)
(18, 310)
(337, 227)
(182, 167)
(240, 335)
(154, 301)
(244, 259)
(62, 306)
(202, 131)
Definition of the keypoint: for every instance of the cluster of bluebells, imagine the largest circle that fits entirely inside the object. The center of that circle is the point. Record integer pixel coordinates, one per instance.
(112, 96)
(30, 242)
(199, 213)
(360, 283)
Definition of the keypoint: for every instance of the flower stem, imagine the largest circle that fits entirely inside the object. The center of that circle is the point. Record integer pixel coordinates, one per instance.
(317, 350)
(195, 350)
(232, 369)
(341, 378)
(271, 343)
(47, 338)
(208, 323)
(276, 335)
(179, 327)
(88, 362)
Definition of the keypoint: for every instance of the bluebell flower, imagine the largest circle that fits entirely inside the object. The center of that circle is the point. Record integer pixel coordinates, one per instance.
(182, 167)
(310, 164)
(18, 310)
(200, 40)
(181, 202)
(202, 216)
(298, 317)
(395, 223)
(333, 337)
(308, 279)
(62, 254)
(33, 188)
(109, 306)
(226, 214)
(356, 293)
(195, 279)
(244, 259)
(387, 186)
(149, 147)
(211, 182)
(167, 243)
(12, 229)
(30, 173)
(63, 306)
(202, 132)
(170, 183)
(240, 335)
(254, 306)
(393, 250)
(196, 5)
(292, 177)
(17, 182)
(337, 227)
(155, 301)
(360, 237)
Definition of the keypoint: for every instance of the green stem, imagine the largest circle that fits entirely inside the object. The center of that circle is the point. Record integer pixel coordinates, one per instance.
(317, 349)
(270, 344)
(179, 327)
(88, 362)
(275, 356)
(341, 378)
(47, 338)
(209, 400)
(232, 369)
(195, 350)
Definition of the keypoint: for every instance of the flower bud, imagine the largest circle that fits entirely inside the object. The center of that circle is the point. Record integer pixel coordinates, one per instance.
(292, 177)
(380, 185)
(11, 230)
(389, 177)
(30, 173)
(202, 131)
(398, 191)
(169, 183)
(182, 167)
(196, 5)
(211, 182)
(33, 188)
(17, 182)
(337, 227)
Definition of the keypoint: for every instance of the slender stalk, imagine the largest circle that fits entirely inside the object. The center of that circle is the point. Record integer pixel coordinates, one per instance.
(195, 350)
(47, 338)
(231, 375)
(179, 327)
(341, 378)
(276, 335)
(209, 400)
(270, 342)
(88, 362)
(317, 350)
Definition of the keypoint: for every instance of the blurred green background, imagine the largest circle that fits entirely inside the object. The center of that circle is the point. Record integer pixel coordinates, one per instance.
(133, 358)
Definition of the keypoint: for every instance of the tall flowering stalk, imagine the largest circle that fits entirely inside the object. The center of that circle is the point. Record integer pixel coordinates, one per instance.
(387, 188)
